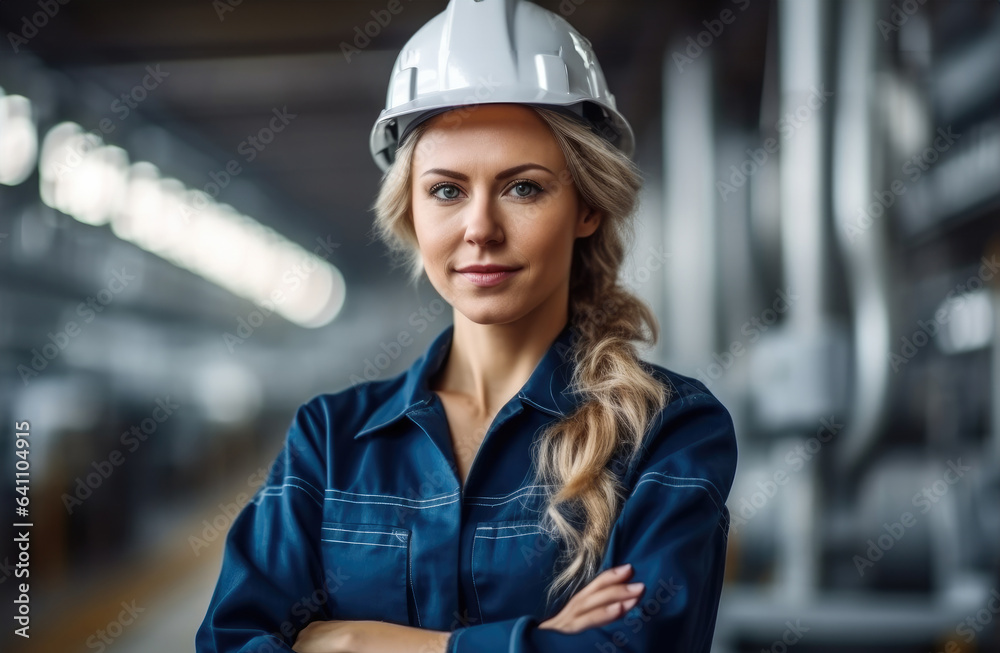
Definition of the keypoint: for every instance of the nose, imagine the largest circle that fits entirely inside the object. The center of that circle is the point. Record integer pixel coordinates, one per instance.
(482, 223)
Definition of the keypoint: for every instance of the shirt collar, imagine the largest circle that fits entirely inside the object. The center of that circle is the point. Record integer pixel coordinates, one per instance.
(547, 389)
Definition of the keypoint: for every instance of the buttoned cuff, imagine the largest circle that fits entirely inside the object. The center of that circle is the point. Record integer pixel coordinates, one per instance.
(497, 637)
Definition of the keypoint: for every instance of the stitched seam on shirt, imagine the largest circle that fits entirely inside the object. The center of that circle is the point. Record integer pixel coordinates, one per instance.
(551, 411)
(685, 478)
(287, 479)
(536, 530)
(389, 496)
(667, 483)
(707, 483)
(493, 505)
(391, 503)
(718, 494)
(304, 489)
(314, 488)
(355, 494)
(409, 570)
(279, 490)
(393, 546)
(719, 524)
(348, 530)
(504, 537)
(509, 494)
(475, 589)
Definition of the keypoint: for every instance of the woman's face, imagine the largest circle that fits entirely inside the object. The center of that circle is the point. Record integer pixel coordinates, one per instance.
(491, 187)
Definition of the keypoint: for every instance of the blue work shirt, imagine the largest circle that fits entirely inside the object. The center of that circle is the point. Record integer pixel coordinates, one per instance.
(363, 517)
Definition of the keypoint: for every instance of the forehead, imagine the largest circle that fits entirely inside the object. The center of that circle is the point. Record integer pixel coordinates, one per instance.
(507, 130)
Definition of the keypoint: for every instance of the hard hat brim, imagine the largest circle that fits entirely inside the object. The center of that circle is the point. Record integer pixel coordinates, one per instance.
(394, 125)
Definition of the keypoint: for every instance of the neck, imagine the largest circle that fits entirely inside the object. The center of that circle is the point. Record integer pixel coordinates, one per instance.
(489, 363)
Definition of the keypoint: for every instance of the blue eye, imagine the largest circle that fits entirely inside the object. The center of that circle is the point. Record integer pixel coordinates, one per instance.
(451, 191)
(526, 189)
(522, 189)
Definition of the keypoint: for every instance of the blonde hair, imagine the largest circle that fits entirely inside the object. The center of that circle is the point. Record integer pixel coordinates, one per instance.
(579, 457)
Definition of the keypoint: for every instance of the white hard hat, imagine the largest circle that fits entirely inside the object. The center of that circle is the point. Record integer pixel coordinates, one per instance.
(489, 51)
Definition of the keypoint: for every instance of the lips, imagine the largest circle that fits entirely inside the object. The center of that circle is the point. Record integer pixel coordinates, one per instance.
(488, 268)
(486, 276)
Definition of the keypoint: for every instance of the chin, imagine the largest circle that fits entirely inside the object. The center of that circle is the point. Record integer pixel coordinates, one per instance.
(489, 310)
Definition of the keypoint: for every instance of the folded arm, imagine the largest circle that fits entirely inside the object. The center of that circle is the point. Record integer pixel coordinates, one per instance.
(272, 581)
(673, 529)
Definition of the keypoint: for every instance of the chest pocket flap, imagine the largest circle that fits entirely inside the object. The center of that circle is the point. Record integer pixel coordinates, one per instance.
(512, 564)
(374, 562)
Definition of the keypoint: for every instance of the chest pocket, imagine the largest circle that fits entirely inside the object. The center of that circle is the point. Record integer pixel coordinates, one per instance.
(512, 565)
(373, 561)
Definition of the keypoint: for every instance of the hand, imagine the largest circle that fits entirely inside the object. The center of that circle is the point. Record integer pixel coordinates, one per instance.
(324, 637)
(602, 601)
(367, 637)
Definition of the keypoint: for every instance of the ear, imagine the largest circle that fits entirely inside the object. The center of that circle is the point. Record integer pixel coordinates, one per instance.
(587, 221)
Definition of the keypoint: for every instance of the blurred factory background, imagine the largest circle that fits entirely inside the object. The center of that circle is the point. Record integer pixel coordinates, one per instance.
(820, 238)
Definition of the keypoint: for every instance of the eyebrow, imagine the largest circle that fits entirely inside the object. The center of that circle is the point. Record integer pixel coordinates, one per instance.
(501, 175)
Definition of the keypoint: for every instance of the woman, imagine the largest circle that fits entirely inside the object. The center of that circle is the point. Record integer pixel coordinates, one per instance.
(529, 484)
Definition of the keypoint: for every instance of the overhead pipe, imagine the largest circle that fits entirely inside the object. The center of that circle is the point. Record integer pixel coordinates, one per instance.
(864, 251)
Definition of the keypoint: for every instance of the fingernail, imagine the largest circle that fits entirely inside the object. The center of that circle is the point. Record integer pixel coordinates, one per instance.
(628, 605)
(635, 587)
(623, 568)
